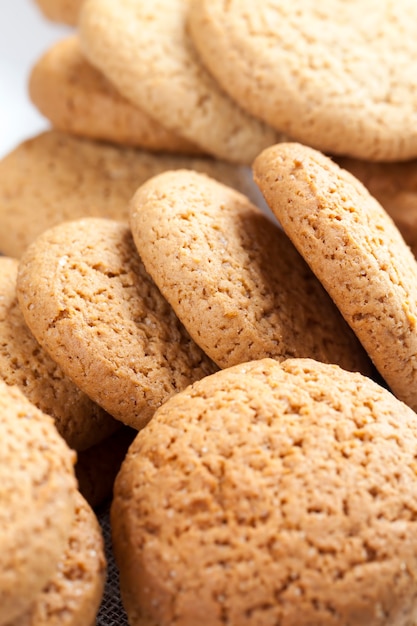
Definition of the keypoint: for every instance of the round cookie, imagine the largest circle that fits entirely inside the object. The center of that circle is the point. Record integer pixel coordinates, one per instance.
(23, 363)
(87, 298)
(271, 493)
(73, 595)
(76, 98)
(97, 467)
(59, 177)
(339, 76)
(394, 185)
(61, 11)
(143, 47)
(355, 250)
(37, 492)
(233, 277)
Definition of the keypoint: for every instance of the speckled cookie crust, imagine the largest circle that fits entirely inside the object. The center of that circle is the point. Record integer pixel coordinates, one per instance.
(62, 11)
(271, 493)
(23, 362)
(143, 47)
(339, 76)
(78, 99)
(87, 298)
(37, 496)
(73, 595)
(233, 277)
(394, 185)
(355, 250)
(56, 177)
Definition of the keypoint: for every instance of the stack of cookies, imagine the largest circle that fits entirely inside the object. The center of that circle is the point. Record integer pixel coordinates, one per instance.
(213, 313)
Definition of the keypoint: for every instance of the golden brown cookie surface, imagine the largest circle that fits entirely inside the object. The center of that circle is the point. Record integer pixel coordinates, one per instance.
(24, 363)
(271, 493)
(78, 99)
(355, 250)
(62, 11)
(58, 177)
(233, 277)
(143, 48)
(87, 298)
(339, 77)
(394, 185)
(37, 496)
(72, 596)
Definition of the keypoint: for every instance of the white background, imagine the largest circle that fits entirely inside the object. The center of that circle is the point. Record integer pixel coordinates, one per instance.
(24, 35)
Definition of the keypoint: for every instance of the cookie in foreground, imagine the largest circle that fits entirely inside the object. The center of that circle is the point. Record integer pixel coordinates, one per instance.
(356, 251)
(279, 493)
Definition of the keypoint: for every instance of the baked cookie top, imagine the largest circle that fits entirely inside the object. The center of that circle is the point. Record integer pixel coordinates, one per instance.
(73, 595)
(23, 362)
(78, 99)
(356, 251)
(87, 298)
(62, 11)
(37, 495)
(271, 493)
(143, 47)
(233, 277)
(56, 176)
(394, 185)
(339, 76)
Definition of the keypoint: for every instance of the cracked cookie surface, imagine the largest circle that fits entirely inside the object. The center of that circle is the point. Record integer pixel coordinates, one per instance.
(87, 298)
(271, 493)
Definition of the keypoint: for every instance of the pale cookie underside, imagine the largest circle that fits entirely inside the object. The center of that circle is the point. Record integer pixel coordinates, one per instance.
(142, 46)
(234, 278)
(57, 177)
(86, 297)
(300, 475)
(339, 76)
(77, 98)
(355, 250)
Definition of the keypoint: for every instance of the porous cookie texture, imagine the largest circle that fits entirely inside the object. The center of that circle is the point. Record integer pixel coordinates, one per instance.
(73, 595)
(271, 493)
(61, 11)
(233, 277)
(23, 362)
(394, 185)
(37, 495)
(143, 47)
(78, 99)
(57, 177)
(88, 300)
(356, 251)
(97, 467)
(339, 76)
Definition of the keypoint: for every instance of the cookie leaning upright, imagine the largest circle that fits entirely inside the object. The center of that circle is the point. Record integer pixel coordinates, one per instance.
(394, 185)
(37, 500)
(25, 364)
(340, 76)
(356, 251)
(271, 493)
(87, 298)
(143, 48)
(233, 277)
